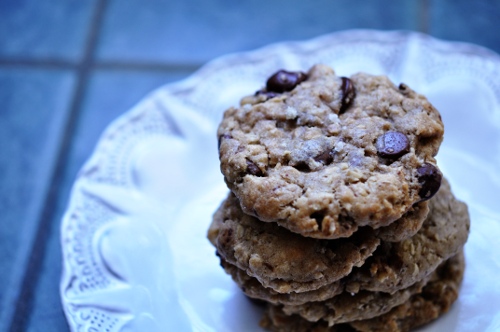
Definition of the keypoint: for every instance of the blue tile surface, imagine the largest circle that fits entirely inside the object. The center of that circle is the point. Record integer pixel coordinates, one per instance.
(47, 313)
(109, 94)
(55, 29)
(470, 21)
(33, 110)
(196, 31)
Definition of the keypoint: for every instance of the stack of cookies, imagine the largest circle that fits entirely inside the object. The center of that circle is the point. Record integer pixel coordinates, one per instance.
(338, 218)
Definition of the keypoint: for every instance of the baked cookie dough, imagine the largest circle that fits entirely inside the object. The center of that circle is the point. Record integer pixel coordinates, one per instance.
(282, 260)
(436, 298)
(323, 155)
(399, 264)
(287, 262)
(254, 289)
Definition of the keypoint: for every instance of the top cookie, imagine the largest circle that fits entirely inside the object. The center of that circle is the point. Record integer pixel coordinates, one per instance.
(322, 154)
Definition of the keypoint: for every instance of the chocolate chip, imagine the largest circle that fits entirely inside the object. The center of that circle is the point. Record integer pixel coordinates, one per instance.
(393, 145)
(283, 80)
(266, 94)
(348, 93)
(430, 178)
(403, 88)
(221, 137)
(326, 157)
(253, 169)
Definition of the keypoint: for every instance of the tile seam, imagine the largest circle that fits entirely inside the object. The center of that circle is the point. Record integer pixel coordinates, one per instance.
(101, 65)
(36, 250)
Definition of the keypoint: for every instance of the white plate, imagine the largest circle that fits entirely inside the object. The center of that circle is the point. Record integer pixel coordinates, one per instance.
(136, 257)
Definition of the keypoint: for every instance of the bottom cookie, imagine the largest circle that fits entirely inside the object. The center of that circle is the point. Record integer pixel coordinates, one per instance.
(435, 299)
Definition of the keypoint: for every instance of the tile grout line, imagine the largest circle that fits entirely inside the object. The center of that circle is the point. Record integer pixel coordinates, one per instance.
(423, 16)
(101, 65)
(45, 64)
(35, 254)
(146, 66)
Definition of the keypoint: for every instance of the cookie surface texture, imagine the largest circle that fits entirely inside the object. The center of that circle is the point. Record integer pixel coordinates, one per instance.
(282, 260)
(397, 265)
(254, 289)
(286, 262)
(436, 298)
(331, 154)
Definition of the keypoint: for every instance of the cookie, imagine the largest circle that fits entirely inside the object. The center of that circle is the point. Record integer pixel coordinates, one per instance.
(287, 262)
(335, 305)
(348, 307)
(254, 289)
(406, 226)
(395, 267)
(402, 228)
(399, 264)
(323, 155)
(436, 297)
(282, 260)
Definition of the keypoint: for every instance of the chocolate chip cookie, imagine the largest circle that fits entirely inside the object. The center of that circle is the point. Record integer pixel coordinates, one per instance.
(397, 265)
(435, 298)
(254, 289)
(348, 307)
(323, 155)
(273, 264)
(282, 260)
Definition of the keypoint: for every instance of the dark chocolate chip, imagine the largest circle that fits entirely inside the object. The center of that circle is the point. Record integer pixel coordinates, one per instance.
(326, 157)
(253, 169)
(393, 145)
(429, 178)
(348, 93)
(283, 80)
(221, 137)
(265, 93)
(403, 88)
